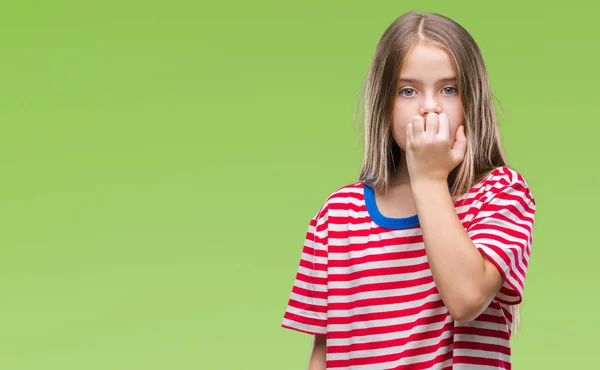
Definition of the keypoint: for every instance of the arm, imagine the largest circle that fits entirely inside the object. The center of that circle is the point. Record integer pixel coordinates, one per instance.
(306, 311)
(489, 261)
(317, 355)
(466, 280)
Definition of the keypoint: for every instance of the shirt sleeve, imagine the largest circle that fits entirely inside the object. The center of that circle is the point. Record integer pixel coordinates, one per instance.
(502, 231)
(307, 306)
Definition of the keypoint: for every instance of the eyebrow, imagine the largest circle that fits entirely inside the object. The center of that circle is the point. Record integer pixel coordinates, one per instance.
(417, 81)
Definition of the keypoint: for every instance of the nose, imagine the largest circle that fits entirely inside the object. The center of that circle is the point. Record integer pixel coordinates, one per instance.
(430, 105)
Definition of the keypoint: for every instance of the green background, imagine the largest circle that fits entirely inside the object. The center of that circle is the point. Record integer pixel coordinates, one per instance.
(161, 160)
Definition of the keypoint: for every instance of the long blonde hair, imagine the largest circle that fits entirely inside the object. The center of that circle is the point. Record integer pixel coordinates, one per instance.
(381, 153)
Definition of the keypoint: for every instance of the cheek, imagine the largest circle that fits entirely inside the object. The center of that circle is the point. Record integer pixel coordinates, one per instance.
(399, 122)
(456, 118)
(399, 134)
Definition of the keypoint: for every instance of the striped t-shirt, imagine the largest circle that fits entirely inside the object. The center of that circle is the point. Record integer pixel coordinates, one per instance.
(364, 281)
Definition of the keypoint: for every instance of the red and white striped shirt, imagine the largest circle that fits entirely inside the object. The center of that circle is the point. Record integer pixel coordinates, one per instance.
(364, 281)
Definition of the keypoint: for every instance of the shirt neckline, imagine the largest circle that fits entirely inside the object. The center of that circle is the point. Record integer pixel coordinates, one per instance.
(384, 221)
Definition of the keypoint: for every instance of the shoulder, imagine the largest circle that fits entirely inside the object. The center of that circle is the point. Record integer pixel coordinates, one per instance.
(505, 176)
(346, 192)
(501, 181)
(344, 197)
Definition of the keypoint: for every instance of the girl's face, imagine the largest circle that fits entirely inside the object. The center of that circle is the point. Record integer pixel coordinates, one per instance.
(428, 84)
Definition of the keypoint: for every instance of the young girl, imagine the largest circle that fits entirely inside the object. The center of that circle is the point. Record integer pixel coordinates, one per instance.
(421, 263)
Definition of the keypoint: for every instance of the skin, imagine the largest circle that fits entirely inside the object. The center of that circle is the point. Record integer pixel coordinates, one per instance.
(317, 355)
(428, 125)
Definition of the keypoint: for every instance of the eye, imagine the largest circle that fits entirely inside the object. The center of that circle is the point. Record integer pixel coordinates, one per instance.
(450, 90)
(407, 92)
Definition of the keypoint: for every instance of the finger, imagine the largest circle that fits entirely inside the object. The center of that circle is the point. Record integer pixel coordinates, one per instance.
(460, 145)
(418, 126)
(443, 127)
(432, 124)
(409, 135)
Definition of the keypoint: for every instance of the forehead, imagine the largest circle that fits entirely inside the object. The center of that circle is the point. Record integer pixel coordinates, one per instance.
(427, 62)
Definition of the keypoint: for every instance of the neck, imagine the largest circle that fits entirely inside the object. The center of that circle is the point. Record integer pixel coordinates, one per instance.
(401, 176)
